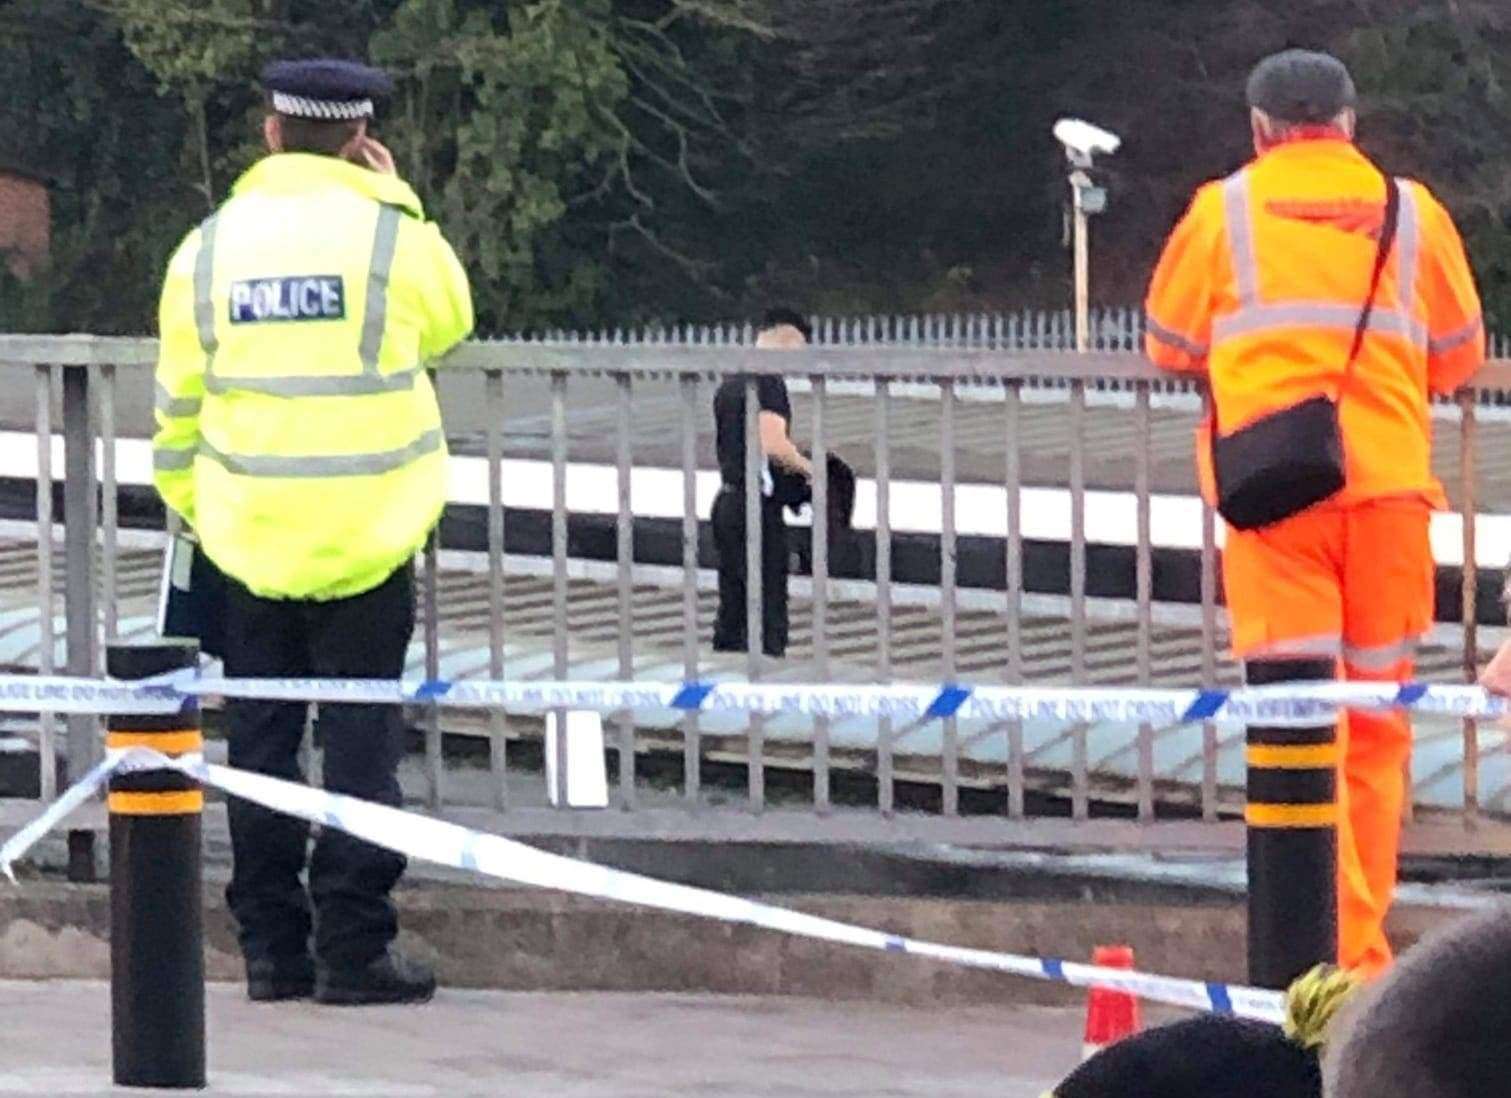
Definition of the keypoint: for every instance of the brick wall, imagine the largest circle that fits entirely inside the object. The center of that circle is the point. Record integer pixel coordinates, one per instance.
(25, 223)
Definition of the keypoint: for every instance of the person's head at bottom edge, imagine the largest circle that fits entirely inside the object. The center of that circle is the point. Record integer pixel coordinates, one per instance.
(1213, 1056)
(1202, 1057)
(1438, 1025)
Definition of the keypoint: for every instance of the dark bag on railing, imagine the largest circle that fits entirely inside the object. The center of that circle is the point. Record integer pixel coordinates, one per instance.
(1285, 462)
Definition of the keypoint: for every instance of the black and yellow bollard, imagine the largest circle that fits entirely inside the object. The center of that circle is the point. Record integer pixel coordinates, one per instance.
(157, 961)
(1292, 818)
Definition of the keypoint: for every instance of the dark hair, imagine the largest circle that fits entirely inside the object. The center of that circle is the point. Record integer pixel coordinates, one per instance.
(1208, 1056)
(1436, 1025)
(783, 317)
(311, 135)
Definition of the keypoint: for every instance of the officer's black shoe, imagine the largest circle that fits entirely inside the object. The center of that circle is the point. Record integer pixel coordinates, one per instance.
(392, 978)
(274, 981)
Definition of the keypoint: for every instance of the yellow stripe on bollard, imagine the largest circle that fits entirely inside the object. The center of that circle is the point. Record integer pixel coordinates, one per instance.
(1312, 756)
(1291, 815)
(169, 743)
(179, 803)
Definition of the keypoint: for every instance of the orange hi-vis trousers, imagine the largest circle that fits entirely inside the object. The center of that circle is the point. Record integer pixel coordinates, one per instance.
(1355, 583)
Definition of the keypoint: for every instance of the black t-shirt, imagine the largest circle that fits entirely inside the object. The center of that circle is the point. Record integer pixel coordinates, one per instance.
(729, 420)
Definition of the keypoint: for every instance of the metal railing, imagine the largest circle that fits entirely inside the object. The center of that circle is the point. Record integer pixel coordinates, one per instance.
(962, 598)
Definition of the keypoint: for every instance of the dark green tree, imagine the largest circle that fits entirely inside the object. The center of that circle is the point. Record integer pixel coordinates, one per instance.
(81, 114)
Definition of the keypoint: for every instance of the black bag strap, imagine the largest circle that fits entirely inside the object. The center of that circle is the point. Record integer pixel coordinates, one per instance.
(1382, 256)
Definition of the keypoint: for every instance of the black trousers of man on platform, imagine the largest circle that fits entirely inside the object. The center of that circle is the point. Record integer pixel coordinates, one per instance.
(347, 904)
(728, 521)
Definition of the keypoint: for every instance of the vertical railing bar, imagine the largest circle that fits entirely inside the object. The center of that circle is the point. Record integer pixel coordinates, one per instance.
(1014, 487)
(1144, 583)
(948, 560)
(820, 577)
(692, 752)
(435, 762)
(110, 504)
(1080, 794)
(884, 770)
(1469, 600)
(47, 642)
(625, 556)
(498, 734)
(559, 592)
(755, 465)
(80, 544)
(1208, 657)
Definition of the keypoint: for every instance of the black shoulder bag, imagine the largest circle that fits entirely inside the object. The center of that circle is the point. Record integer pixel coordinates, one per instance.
(1285, 462)
(192, 600)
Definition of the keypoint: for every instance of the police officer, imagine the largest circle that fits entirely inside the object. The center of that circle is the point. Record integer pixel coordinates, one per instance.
(299, 435)
(782, 329)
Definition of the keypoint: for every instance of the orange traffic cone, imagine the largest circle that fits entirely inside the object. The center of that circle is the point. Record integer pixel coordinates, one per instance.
(1110, 1015)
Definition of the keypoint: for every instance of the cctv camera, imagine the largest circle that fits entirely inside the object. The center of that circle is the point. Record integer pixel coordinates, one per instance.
(1082, 140)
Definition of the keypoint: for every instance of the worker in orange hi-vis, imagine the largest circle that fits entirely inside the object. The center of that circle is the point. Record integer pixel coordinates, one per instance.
(1323, 301)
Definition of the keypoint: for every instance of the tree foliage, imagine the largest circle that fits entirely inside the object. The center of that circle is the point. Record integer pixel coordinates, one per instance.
(541, 134)
(109, 169)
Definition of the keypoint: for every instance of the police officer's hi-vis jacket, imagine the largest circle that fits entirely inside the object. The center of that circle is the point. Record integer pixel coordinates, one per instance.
(298, 432)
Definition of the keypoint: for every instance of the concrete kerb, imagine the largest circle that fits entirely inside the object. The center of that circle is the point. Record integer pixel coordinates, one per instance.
(526, 940)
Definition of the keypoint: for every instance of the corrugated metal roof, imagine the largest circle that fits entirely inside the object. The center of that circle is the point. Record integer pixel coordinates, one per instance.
(981, 638)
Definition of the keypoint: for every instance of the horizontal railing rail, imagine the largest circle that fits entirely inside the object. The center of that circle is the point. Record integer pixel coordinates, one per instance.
(590, 357)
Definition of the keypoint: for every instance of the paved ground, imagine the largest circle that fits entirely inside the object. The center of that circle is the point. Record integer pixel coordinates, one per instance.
(55, 1041)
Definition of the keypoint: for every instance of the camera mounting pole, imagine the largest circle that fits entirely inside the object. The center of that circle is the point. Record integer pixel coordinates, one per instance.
(1082, 142)
(1080, 183)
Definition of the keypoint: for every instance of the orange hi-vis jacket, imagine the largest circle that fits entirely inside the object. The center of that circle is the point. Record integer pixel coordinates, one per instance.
(1261, 287)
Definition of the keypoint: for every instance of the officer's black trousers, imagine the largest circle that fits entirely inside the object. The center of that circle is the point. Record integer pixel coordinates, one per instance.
(728, 521)
(365, 636)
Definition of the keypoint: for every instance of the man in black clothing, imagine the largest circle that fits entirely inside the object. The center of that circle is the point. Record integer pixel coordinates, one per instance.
(782, 329)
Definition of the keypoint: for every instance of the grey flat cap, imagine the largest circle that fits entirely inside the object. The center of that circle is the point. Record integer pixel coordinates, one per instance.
(1302, 86)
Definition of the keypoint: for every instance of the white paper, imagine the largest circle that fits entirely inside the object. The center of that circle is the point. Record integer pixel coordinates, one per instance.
(587, 776)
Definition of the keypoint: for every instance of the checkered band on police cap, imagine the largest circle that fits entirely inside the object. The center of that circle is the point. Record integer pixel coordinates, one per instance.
(1302, 86)
(325, 90)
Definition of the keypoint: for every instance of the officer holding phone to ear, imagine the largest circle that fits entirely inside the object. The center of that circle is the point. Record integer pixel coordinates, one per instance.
(299, 436)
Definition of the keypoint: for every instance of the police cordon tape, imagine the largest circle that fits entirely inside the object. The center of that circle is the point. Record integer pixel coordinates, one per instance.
(449, 844)
(493, 855)
(1277, 704)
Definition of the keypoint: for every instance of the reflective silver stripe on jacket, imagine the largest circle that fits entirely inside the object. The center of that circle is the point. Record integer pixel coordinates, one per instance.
(1254, 316)
(1235, 193)
(314, 384)
(173, 461)
(1454, 340)
(1408, 244)
(1262, 318)
(374, 322)
(204, 292)
(175, 407)
(325, 465)
(1174, 339)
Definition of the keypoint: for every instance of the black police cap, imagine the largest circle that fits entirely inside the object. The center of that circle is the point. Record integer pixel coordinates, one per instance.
(324, 89)
(1302, 86)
